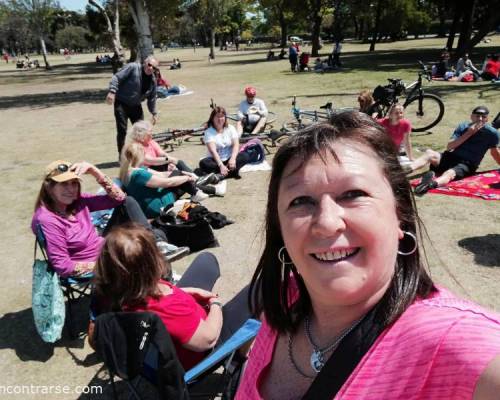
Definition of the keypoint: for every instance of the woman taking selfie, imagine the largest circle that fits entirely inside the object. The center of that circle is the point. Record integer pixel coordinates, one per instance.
(356, 315)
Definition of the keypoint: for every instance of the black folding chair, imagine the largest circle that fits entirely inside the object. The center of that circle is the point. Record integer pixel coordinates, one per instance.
(136, 345)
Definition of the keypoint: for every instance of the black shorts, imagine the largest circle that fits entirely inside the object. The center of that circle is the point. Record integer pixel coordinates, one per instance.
(449, 160)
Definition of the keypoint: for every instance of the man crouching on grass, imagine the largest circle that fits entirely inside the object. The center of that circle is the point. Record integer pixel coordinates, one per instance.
(463, 154)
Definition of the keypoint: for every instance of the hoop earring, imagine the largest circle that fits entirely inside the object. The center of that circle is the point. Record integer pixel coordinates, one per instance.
(403, 253)
(282, 258)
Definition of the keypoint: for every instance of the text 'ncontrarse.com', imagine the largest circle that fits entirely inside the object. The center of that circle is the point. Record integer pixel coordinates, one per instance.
(48, 389)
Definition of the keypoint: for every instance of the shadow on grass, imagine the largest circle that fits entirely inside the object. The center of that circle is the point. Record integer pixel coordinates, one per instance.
(18, 333)
(485, 249)
(46, 100)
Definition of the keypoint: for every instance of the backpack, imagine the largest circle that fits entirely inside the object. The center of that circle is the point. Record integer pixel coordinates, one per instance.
(255, 149)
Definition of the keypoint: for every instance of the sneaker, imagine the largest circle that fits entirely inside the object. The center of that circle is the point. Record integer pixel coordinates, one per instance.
(220, 189)
(426, 183)
(177, 254)
(206, 180)
(199, 196)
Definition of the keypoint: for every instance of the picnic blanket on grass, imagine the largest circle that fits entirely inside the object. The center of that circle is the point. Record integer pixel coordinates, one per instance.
(484, 185)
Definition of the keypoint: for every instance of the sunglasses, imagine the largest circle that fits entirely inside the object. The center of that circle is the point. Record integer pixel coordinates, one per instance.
(153, 66)
(60, 169)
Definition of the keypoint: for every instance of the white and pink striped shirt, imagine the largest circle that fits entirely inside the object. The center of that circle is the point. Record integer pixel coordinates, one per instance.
(436, 350)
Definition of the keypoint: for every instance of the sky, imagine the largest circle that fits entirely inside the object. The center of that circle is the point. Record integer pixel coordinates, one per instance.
(73, 5)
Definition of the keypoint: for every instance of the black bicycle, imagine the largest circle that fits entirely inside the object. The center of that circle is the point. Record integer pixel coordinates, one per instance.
(424, 110)
(171, 138)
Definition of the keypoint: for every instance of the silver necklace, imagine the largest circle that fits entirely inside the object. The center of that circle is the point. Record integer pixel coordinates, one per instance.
(317, 358)
(292, 360)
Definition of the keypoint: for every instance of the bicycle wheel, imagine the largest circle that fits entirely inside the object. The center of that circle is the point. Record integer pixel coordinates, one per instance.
(426, 117)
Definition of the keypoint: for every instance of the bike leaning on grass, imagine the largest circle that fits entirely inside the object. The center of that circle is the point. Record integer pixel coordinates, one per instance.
(424, 110)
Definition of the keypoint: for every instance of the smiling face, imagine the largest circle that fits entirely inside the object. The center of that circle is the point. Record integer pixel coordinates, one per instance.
(396, 114)
(65, 193)
(339, 224)
(219, 120)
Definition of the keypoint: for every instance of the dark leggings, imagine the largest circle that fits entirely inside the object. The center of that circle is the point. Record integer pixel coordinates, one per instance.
(131, 211)
(186, 187)
(181, 166)
(203, 273)
(209, 165)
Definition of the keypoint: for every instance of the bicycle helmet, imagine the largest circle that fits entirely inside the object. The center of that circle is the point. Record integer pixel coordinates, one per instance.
(250, 91)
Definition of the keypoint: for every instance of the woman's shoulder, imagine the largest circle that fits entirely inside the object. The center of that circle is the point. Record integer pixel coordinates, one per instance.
(451, 317)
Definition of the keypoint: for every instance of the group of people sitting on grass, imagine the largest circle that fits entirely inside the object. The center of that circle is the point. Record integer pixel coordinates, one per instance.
(464, 152)
(465, 71)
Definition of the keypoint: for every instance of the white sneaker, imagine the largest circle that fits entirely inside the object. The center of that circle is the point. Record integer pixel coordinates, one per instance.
(199, 196)
(220, 188)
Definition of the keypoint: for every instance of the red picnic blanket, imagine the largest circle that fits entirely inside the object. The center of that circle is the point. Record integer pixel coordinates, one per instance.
(484, 185)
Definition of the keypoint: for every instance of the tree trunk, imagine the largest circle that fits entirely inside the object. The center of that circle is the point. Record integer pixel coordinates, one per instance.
(118, 59)
(377, 25)
(44, 53)
(212, 44)
(453, 29)
(442, 14)
(467, 20)
(316, 28)
(142, 26)
(284, 29)
(485, 28)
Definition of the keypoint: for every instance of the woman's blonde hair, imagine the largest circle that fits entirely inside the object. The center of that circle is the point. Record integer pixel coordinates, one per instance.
(139, 131)
(132, 157)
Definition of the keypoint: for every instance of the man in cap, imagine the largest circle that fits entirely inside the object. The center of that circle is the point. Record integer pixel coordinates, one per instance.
(463, 154)
(128, 88)
(252, 113)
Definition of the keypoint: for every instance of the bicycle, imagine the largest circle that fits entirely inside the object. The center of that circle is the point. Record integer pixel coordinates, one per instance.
(172, 138)
(424, 110)
(303, 118)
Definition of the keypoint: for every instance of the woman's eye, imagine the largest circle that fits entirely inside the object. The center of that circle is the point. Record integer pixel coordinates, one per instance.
(300, 201)
(353, 194)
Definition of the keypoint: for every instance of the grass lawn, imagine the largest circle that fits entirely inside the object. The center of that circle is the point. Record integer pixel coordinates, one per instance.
(61, 114)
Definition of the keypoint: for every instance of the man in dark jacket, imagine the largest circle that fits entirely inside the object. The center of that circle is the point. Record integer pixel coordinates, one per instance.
(127, 89)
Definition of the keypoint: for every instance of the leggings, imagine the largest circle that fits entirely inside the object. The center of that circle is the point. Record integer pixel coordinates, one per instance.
(181, 166)
(130, 211)
(209, 165)
(203, 273)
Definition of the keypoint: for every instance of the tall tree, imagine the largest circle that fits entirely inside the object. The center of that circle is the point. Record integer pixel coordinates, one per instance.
(113, 29)
(142, 24)
(39, 14)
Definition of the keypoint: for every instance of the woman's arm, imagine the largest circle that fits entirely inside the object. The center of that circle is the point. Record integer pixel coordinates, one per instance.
(206, 335)
(160, 181)
(234, 153)
(112, 190)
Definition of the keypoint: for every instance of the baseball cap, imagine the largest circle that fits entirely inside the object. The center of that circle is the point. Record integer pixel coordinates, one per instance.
(250, 91)
(482, 110)
(59, 171)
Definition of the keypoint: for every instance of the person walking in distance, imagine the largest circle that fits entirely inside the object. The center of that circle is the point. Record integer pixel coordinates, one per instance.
(128, 88)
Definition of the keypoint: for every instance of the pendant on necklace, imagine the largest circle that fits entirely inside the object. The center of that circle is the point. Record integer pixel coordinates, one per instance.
(317, 361)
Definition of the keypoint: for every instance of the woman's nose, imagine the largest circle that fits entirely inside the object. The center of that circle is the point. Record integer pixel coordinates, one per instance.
(329, 218)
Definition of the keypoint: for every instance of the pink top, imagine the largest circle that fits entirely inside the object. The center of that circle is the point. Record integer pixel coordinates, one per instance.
(396, 132)
(181, 315)
(72, 240)
(436, 350)
(152, 149)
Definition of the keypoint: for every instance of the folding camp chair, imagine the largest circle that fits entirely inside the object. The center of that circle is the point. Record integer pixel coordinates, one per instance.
(73, 288)
(136, 345)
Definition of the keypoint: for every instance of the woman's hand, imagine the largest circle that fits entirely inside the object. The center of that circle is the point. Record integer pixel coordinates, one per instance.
(200, 294)
(83, 167)
(223, 169)
(232, 163)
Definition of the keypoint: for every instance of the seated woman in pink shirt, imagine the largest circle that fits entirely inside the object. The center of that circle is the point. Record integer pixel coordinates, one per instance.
(62, 212)
(349, 311)
(398, 128)
(154, 156)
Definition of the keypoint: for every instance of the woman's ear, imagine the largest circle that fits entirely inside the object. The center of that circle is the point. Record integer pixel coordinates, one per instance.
(400, 233)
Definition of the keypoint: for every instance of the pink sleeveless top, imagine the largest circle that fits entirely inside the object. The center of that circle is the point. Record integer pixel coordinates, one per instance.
(436, 350)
